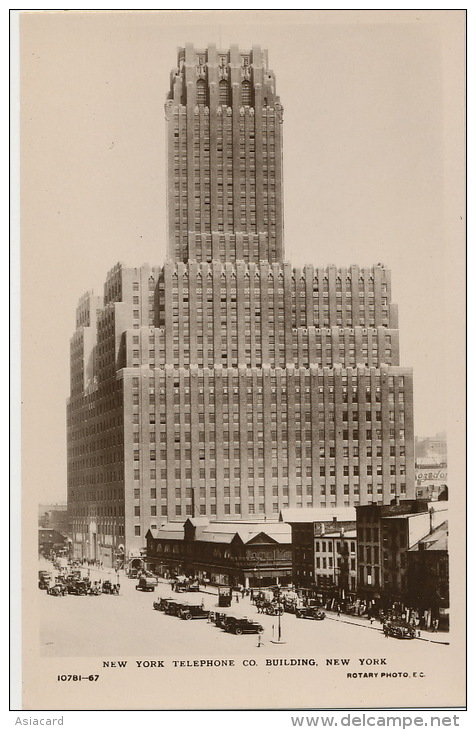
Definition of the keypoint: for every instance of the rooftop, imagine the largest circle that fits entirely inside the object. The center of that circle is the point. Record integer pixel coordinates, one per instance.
(436, 540)
(318, 514)
(225, 532)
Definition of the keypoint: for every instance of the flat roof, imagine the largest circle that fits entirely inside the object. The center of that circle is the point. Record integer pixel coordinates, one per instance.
(318, 514)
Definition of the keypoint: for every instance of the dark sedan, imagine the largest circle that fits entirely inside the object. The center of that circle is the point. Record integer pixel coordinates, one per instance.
(242, 626)
(190, 612)
(311, 612)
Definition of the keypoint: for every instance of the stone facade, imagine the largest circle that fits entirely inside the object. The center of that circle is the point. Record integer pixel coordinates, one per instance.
(227, 383)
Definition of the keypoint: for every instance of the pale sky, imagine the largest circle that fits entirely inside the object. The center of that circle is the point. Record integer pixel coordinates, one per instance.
(373, 155)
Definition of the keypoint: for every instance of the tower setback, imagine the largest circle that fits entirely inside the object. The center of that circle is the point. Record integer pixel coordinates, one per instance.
(226, 383)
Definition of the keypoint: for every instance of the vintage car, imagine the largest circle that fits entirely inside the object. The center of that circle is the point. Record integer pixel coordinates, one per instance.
(111, 588)
(194, 587)
(273, 608)
(311, 612)
(189, 612)
(57, 590)
(242, 626)
(219, 619)
(95, 589)
(399, 629)
(77, 587)
(44, 579)
(173, 608)
(161, 603)
(147, 582)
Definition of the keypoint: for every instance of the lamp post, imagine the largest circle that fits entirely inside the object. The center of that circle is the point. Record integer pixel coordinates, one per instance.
(279, 639)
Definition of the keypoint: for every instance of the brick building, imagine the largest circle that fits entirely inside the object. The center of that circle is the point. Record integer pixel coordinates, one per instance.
(428, 574)
(226, 383)
(323, 547)
(384, 535)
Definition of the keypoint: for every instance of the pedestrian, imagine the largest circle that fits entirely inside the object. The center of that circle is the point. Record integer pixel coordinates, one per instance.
(371, 619)
(338, 611)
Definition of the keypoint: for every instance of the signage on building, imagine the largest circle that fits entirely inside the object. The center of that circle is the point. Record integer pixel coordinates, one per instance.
(431, 475)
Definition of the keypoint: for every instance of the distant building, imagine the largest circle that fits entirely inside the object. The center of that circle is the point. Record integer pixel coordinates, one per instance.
(51, 541)
(431, 482)
(431, 467)
(54, 516)
(231, 553)
(384, 535)
(431, 451)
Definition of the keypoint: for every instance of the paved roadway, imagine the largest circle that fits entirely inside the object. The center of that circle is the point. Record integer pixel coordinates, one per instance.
(127, 625)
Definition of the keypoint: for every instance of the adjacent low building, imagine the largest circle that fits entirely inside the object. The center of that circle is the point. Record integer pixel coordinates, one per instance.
(336, 562)
(385, 534)
(227, 553)
(428, 575)
(323, 547)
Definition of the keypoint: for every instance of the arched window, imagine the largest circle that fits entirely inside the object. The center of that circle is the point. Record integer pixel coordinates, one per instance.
(245, 93)
(223, 93)
(201, 92)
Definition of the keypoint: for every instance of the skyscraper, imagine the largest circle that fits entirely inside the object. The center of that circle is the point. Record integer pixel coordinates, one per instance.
(227, 383)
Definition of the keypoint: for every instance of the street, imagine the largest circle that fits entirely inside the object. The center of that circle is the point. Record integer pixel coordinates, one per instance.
(127, 625)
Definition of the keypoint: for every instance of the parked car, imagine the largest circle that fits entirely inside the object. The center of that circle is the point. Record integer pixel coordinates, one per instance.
(219, 619)
(57, 590)
(399, 629)
(186, 586)
(274, 609)
(242, 626)
(173, 608)
(311, 612)
(194, 587)
(77, 587)
(111, 588)
(44, 579)
(147, 582)
(190, 612)
(161, 603)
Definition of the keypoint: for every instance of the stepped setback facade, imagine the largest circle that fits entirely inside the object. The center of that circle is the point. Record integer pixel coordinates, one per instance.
(227, 383)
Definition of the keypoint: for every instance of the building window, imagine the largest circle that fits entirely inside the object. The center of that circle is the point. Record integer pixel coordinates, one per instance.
(137, 530)
(223, 93)
(201, 92)
(246, 93)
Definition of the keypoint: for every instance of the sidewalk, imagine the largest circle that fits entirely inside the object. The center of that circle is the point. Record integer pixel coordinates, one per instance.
(429, 636)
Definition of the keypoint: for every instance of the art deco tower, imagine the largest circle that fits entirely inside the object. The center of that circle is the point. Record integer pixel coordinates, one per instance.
(227, 383)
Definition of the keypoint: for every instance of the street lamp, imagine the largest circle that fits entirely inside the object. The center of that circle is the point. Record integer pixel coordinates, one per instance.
(279, 639)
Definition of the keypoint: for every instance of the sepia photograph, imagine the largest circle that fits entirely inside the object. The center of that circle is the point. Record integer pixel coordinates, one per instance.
(243, 358)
